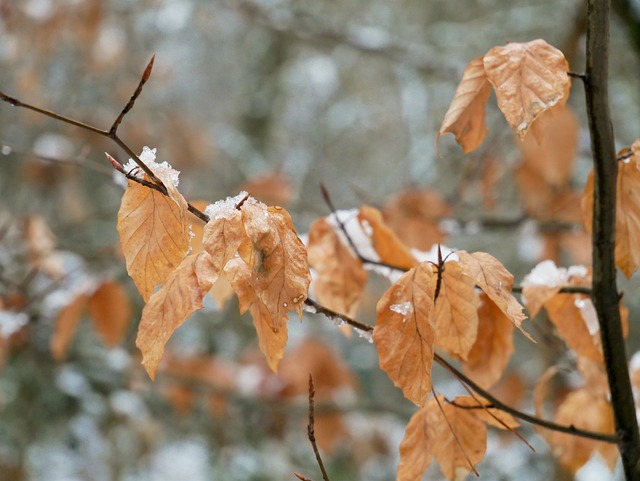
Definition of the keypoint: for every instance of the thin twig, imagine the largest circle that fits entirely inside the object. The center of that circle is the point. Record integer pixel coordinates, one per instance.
(311, 431)
(145, 76)
(608, 438)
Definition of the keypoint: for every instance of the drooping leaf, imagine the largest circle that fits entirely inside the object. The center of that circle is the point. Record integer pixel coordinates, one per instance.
(404, 332)
(465, 117)
(528, 79)
(455, 314)
(222, 237)
(495, 281)
(272, 338)
(461, 441)
(341, 276)
(627, 248)
(585, 411)
(418, 442)
(386, 243)
(493, 347)
(169, 307)
(154, 234)
(110, 309)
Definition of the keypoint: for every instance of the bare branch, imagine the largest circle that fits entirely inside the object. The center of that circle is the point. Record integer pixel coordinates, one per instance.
(311, 431)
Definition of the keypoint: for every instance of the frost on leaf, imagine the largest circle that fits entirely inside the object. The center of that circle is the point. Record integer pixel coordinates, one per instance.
(528, 78)
(465, 117)
(495, 281)
(154, 230)
(455, 314)
(271, 274)
(341, 276)
(388, 246)
(169, 307)
(627, 249)
(493, 347)
(584, 411)
(404, 336)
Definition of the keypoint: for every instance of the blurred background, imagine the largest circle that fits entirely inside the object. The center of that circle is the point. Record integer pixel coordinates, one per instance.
(274, 97)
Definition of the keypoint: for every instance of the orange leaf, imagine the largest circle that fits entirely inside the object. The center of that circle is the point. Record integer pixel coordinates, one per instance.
(461, 439)
(465, 117)
(168, 308)
(387, 245)
(404, 332)
(154, 235)
(272, 189)
(495, 281)
(493, 347)
(528, 79)
(223, 234)
(66, 325)
(627, 250)
(110, 310)
(271, 276)
(585, 411)
(341, 276)
(418, 442)
(456, 315)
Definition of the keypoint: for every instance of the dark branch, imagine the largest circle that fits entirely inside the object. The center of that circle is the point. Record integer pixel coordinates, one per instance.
(311, 431)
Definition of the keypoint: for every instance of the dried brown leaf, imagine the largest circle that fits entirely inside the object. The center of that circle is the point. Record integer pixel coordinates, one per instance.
(404, 332)
(528, 79)
(110, 309)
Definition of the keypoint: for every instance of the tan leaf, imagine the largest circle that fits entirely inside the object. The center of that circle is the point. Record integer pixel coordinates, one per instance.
(461, 439)
(495, 281)
(455, 314)
(66, 325)
(465, 117)
(528, 79)
(627, 249)
(418, 442)
(493, 347)
(387, 245)
(280, 269)
(415, 217)
(168, 308)
(222, 237)
(272, 339)
(536, 296)
(404, 332)
(584, 411)
(154, 235)
(553, 153)
(110, 309)
(341, 276)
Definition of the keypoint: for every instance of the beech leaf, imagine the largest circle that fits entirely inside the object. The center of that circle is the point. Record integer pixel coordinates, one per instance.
(528, 79)
(110, 310)
(404, 333)
(154, 235)
(455, 314)
(418, 442)
(66, 326)
(465, 117)
(341, 276)
(169, 307)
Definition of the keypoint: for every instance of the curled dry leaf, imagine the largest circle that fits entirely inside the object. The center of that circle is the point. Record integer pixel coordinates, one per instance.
(455, 313)
(180, 296)
(627, 248)
(465, 117)
(528, 79)
(154, 234)
(404, 332)
(388, 246)
(341, 276)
